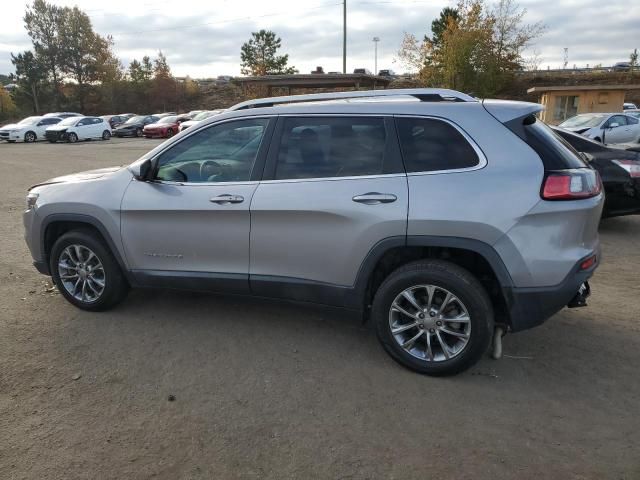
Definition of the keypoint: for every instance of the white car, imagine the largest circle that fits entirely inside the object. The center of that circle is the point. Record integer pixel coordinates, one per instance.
(629, 106)
(605, 127)
(29, 130)
(73, 129)
(198, 118)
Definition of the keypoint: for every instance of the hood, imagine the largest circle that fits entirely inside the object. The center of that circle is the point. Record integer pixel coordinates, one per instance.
(12, 126)
(190, 123)
(129, 126)
(57, 128)
(577, 129)
(158, 125)
(79, 177)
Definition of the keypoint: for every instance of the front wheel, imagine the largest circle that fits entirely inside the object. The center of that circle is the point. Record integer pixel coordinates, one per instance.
(138, 132)
(169, 132)
(29, 137)
(85, 271)
(433, 317)
(106, 135)
(72, 138)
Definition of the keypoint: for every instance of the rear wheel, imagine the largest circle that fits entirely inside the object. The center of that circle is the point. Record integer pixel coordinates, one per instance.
(29, 137)
(85, 271)
(433, 317)
(106, 135)
(72, 138)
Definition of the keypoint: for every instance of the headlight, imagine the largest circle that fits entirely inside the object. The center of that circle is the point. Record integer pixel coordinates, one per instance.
(32, 198)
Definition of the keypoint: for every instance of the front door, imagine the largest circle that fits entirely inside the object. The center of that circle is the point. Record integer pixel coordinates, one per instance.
(333, 188)
(190, 226)
(617, 130)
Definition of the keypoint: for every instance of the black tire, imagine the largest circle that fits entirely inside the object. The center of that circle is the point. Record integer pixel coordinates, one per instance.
(30, 137)
(116, 285)
(106, 135)
(72, 138)
(139, 132)
(169, 132)
(456, 280)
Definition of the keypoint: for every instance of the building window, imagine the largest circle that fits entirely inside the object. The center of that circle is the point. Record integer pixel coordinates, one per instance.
(603, 98)
(565, 107)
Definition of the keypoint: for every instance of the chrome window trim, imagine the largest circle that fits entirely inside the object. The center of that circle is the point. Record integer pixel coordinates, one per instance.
(482, 159)
(328, 179)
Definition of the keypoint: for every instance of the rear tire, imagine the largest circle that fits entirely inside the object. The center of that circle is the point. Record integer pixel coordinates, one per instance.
(453, 325)
(106, 135)
(86, 272)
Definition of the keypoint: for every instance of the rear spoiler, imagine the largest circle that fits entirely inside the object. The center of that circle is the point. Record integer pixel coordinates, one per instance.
(507, 110)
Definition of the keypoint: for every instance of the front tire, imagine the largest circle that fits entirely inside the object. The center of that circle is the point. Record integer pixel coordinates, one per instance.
(29, 137)
(139, 132)
(169, 133)
(86, 272)
(433, 317)
(72, 138)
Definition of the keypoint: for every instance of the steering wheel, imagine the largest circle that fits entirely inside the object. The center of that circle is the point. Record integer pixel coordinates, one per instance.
(209, 169)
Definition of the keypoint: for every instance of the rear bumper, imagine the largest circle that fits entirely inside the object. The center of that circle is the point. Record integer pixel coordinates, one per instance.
(530, 307)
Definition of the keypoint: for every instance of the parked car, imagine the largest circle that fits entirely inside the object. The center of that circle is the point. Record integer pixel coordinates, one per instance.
(115, 120)
(633, 112)
(193, 113)
(605, 127)
(63, 114)
(387, 72)
(166, 127)
(619, 170)
(72, 129)
(362, 71)
(629, 106)
(198, 118)
(164, 114)
(28, 130)
(134, 126)
(622, 67)
(434, 233)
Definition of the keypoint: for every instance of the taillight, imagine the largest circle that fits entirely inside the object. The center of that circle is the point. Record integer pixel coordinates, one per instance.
(571, 184)
(631, 166)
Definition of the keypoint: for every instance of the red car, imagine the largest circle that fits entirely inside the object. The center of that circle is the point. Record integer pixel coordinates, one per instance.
(165, 127)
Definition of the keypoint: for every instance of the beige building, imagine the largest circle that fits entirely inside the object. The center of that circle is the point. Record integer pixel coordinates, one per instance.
(564, 102)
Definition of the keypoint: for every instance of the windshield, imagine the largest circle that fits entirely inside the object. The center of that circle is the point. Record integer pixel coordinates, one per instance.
(136, 119)
(169, 119)
(69, 121)
(583, 121)
(202, 116)
(29, 121)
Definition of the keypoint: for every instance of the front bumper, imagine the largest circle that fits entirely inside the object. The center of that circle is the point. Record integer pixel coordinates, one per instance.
(124, 133)
(56, 136)
(530, 307)
(10, 136)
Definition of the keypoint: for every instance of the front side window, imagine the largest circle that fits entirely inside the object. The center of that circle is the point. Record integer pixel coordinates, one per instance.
(323, 147)
(619, 119)
(430, 145)
(221, 153)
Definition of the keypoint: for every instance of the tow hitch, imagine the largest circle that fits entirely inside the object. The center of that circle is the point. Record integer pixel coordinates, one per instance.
(580, 298)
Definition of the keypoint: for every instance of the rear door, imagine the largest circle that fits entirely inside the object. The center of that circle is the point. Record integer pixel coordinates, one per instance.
(334, 187)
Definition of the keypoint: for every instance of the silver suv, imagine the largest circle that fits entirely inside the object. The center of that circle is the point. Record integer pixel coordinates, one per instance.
(444, 219)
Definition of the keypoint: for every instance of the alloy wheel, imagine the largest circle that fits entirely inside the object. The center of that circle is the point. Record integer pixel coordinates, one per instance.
(81, 273)
(430, 323)
(30, 137)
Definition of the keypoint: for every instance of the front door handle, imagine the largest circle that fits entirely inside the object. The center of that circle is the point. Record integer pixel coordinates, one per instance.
(226, 198)
(374, 198)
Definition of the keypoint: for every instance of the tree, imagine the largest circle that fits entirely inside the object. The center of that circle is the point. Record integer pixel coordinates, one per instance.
(164, 85)
(7, 107)
(43, 22)
(633, 60)
(85, 50)
(30, 76)
(258, 55)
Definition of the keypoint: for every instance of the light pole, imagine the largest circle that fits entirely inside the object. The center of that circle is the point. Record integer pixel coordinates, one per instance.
(375, 42)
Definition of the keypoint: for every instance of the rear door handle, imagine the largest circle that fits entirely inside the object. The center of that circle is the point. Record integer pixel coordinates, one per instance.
(226, 198)
(374, 198)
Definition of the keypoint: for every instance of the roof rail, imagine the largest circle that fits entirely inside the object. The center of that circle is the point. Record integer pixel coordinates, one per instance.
(422, 94)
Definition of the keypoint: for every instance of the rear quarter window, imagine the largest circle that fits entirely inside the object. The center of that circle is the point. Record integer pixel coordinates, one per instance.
(430, 145)
(555, 152)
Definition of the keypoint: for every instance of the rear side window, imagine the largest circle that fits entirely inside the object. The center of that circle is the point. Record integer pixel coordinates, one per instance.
(555, 152)
(431, 145)
(325, 147)
(632, 120)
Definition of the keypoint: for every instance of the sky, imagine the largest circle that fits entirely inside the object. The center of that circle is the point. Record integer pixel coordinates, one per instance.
(202, 38)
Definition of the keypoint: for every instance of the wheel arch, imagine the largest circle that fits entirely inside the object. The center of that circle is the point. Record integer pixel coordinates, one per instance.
(55, 225)
(478, 257)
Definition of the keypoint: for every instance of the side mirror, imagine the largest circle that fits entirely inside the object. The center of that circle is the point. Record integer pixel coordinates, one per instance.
(613, 125)
(142, 171)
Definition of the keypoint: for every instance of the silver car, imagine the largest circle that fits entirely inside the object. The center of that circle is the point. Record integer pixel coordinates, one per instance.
(444, 220)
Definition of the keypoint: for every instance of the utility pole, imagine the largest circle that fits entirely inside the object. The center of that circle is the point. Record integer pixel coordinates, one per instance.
(344, 36)
(375, 42)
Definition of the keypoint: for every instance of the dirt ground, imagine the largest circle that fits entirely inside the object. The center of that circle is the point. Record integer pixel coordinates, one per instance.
(264, 390)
